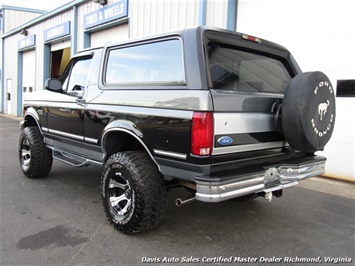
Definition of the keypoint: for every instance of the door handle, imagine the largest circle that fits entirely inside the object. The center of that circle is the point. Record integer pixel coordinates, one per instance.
(65, 110)
(81, 102)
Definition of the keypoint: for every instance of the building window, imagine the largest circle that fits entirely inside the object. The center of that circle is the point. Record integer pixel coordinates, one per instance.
(346, 88)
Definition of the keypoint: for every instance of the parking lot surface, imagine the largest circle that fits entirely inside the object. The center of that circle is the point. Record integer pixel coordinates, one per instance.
(59, 220)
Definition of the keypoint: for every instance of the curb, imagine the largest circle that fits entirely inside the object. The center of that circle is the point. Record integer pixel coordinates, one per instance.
(337, 178)
(18, 118)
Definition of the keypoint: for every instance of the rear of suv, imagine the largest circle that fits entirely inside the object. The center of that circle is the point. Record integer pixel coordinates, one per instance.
(224, 114)
(267, 118)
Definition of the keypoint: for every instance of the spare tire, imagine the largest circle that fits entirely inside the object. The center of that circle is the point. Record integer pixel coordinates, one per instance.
(308, 112)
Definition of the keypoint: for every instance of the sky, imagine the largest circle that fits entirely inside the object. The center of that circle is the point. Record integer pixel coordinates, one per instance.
(35, 4)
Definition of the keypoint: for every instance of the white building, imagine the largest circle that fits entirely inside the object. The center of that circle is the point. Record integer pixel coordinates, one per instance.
(320, 34)
(11, 17)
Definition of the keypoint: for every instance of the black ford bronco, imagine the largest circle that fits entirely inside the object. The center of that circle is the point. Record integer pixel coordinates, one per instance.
(224, 114)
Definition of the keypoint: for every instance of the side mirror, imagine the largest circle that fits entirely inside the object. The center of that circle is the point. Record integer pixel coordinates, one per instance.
(53, 85)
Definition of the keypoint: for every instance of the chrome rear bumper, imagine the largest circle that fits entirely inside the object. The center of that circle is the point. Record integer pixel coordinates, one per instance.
(272, 179)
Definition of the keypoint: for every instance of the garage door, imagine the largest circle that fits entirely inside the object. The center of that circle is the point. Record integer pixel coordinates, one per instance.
(113, 34)
(28, 72)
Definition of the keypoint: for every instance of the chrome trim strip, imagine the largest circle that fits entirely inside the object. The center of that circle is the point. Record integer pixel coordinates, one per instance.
(156, 98)
(45, 129)
(158, 112)
(91, 140)
(236, 123)
(170, 154)
(249, 147)
(64, 134)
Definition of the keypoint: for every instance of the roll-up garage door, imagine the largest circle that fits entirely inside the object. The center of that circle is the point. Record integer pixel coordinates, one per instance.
(28, 72)
(114, 34)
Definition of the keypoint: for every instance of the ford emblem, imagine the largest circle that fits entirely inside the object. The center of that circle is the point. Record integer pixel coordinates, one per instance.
(225, 140)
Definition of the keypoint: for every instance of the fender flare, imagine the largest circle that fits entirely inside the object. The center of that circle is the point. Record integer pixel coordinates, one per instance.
(126, 127)
(33, 113)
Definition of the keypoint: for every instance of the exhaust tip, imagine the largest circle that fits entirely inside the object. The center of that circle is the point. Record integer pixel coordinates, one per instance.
(179, 202)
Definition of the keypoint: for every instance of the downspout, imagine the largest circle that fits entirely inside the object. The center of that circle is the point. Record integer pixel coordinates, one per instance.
(202, 13)
(87, 40)
(19, 83)
(46, 61)
(2, 103)
(232, 10)
(74, 32)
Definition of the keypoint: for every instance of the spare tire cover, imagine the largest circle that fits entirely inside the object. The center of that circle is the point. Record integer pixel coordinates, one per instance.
(308, 112)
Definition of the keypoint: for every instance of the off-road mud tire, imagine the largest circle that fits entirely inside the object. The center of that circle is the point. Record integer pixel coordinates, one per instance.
(134, 182)
(35, 158)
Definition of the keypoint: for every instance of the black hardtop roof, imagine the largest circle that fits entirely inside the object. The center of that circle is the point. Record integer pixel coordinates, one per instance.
(196, 32)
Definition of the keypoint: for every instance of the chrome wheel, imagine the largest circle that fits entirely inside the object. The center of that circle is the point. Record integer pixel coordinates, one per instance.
(25, 155)
(121, 196)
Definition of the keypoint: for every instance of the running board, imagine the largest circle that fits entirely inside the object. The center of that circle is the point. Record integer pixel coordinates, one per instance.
(72, 159)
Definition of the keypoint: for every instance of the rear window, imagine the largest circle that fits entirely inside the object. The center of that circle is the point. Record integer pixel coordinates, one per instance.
(235, 70)
(149, 63)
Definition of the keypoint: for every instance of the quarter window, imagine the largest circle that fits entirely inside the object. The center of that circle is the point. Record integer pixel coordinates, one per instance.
(152, 63)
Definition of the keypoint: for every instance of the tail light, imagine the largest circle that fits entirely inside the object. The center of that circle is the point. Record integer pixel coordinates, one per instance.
(202, 133)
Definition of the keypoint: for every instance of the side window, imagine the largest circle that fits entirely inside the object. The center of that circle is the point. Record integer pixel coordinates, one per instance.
(151, 63)
(78, 75)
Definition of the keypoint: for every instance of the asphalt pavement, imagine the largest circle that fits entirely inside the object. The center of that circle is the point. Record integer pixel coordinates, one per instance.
(59, 220)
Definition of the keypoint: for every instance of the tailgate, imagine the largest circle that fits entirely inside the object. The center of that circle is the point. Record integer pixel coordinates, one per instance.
(247, 87)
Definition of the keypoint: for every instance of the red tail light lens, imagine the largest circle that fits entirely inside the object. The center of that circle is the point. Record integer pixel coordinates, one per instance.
(202, 133)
